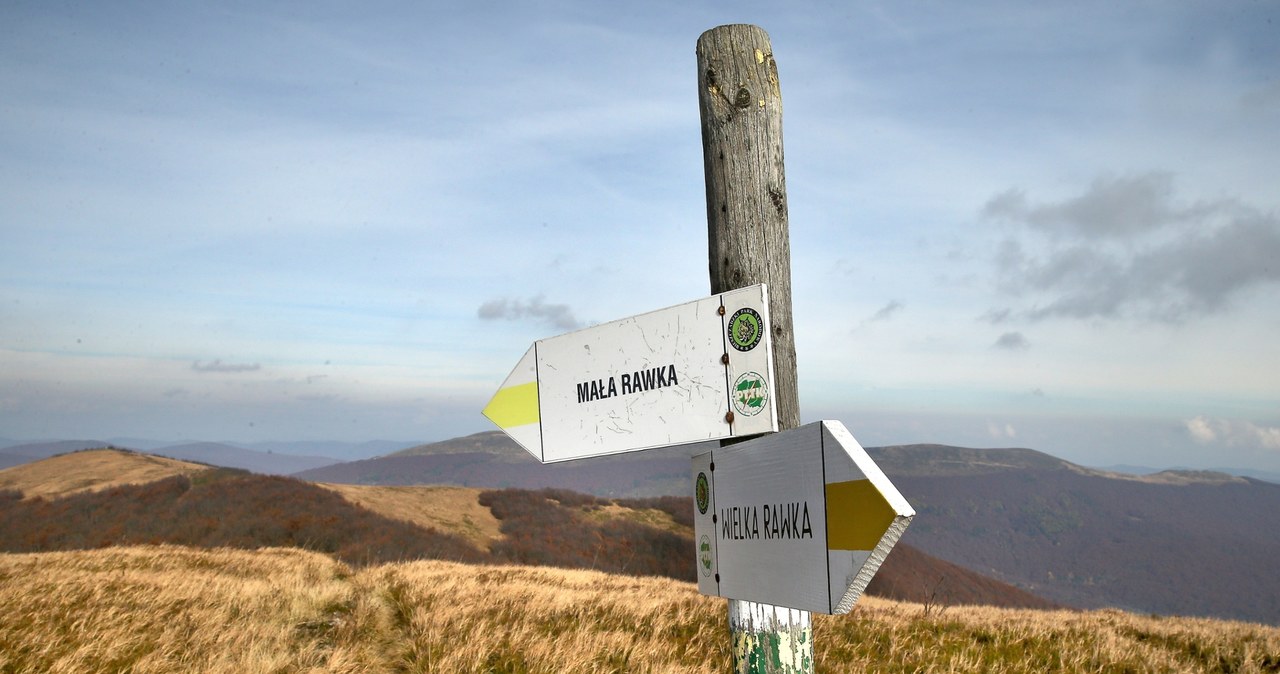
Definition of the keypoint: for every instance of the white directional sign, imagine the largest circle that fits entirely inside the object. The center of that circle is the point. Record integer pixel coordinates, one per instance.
(698, 371)
(800, 519)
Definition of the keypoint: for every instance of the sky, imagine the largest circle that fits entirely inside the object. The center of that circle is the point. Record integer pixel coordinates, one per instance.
(1044, 225)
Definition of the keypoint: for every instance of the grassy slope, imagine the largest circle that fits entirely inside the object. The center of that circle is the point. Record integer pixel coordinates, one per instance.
(230, 508)
(91, 470)
(453, 510)
(171, 609)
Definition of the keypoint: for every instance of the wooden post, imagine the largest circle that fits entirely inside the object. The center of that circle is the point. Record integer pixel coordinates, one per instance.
(748, 242)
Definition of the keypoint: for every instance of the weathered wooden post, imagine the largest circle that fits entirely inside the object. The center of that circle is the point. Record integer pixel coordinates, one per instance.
(748, 242)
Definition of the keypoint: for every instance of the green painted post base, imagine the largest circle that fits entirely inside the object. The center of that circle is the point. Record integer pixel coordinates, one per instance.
(770, 639)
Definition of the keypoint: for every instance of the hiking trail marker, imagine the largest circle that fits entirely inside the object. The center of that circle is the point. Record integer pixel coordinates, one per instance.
(787, 524)
(802, 519)
(697, 371)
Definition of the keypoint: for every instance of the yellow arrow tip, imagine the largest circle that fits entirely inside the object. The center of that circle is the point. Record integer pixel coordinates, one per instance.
(514, 406)
(857, 515)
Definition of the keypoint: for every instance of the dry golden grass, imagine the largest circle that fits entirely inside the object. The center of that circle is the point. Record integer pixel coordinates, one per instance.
(454, 510)
(889, 636)
(172, 609)
(534, 619)
(657, 519)
(457, 510)
(89, 471)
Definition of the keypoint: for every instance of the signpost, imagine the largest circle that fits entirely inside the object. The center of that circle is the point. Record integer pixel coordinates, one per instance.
(693, 372)
(801, 519)
(748, 241)
(789, 523)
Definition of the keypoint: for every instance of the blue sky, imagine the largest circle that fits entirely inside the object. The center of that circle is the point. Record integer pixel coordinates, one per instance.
(1013, 224)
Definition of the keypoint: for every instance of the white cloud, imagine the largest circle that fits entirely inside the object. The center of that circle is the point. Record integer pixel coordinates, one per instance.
(1127, 248)
(217, 365)
(1268, 437)
(1001, 432)
(557, 315)
(1012, 341)
(1233, 432)
(887, 311)
(1112, 207)
(1201, 430)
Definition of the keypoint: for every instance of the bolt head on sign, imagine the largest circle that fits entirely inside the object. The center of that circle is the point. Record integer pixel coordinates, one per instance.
(800, 519)
(697, 371)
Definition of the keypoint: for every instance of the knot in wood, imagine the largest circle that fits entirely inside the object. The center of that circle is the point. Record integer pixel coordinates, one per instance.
(743, 99)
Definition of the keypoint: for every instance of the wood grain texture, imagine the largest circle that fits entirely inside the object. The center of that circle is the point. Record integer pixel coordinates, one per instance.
(748, 242)
(747, 229)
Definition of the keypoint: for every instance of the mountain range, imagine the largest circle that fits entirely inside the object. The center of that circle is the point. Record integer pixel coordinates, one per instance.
(111, 497)
(1186, 542)
(492, 460)
(1176, 542)
(1199, 543)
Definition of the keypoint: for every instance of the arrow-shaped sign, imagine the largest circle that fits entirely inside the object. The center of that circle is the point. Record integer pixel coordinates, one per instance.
(698, 371)
(801, 519)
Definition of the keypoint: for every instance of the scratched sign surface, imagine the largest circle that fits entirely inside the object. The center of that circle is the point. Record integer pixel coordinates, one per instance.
(802, 518)
(683, 374)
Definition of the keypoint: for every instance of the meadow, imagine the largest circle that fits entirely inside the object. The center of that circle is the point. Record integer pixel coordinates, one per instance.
(283, 610)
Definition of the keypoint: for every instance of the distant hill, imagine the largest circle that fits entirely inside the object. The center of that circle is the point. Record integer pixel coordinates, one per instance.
(341, 451)
(229, 456)
(212, 453)
(217, 508)
(91, 470)
(10, 460)
(945, 460)
(43, 450)
(493, 442)
(1263, 475)
(492, 460)
(1176, 542)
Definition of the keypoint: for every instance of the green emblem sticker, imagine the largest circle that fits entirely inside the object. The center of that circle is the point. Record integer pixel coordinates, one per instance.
(746, 329)
(704, 555)
(702, 491)
(750, 394)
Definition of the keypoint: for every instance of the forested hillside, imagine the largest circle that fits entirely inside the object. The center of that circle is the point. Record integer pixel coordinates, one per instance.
(1189, 544)
(220, 508)
(230, 508)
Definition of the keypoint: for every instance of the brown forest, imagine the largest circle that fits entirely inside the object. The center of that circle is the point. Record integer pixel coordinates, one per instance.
(550, 527)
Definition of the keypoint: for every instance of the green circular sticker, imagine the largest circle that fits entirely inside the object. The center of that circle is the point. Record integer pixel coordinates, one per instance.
(746, 329)
(750, 394)
(704, 555)
(702, 490)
